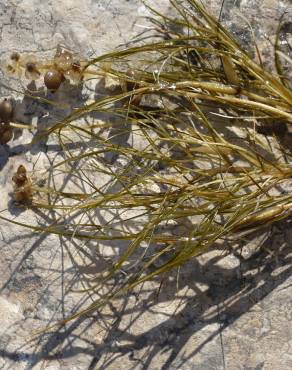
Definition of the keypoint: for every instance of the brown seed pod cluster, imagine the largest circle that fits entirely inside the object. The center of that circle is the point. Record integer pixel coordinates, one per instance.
(23, 192)
(54, 72)
(6, 114)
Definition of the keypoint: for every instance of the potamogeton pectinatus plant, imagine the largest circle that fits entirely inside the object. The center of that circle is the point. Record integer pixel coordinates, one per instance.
(193, 105)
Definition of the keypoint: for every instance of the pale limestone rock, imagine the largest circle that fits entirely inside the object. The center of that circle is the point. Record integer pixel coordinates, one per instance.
(232, 313)
(10, 314)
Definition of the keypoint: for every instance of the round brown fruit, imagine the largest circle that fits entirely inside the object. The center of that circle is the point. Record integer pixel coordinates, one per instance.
(30, 67)
(53, 79)
(6, 110)
(15, 56)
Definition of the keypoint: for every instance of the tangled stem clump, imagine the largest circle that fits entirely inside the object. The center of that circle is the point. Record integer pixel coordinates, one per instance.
(194, 103)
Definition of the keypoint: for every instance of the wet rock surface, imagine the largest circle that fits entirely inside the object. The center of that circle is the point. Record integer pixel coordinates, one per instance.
(228, 309)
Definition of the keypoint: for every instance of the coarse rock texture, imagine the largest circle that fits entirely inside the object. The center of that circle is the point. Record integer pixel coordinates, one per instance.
(224, 310)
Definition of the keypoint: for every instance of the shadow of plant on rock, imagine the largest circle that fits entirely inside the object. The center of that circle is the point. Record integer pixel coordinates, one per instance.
(169, 323)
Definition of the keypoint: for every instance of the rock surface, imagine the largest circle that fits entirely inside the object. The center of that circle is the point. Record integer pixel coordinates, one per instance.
(227, 311)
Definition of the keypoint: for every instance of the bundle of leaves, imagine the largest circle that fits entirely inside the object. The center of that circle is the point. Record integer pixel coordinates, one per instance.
(174, 158)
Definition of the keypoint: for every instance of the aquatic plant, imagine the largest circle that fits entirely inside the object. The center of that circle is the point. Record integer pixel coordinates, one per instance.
(174, 158)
